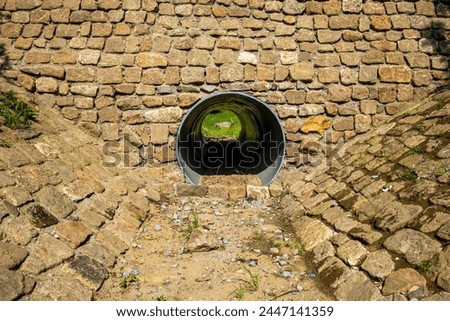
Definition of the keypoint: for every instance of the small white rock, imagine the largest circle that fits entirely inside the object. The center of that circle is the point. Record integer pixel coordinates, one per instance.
(286, 274)
(274, 250)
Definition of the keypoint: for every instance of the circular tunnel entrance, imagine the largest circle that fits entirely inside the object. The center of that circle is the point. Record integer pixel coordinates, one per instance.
(230, 133)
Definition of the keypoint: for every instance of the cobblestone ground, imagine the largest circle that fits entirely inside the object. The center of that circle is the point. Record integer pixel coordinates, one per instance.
(373, 224)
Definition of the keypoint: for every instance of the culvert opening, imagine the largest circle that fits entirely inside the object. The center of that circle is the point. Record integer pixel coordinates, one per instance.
(230, 133)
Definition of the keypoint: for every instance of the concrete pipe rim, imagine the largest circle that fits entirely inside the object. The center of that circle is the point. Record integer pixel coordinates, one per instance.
(262, 134)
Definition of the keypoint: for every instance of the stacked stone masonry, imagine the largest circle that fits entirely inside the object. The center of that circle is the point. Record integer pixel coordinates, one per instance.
(376, 214)
(375, 217)
(126, 71)
(64, 217)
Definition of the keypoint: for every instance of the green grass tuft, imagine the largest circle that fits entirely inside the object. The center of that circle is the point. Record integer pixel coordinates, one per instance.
(127, 280)
(214, 125)
(192, 225)
(15, 111)
(408, 175)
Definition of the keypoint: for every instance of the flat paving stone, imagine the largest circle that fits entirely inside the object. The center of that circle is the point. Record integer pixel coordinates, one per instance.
(323, 251)
(46, 253)
(441, 296)
(19, 230)
(416, 246)
(422, 189)
(102, 205)
(57, 203)
(373, 188)
(29, 178)
(444, 232)
(39, 216)
(346, 224)
(431, 220)
(367, 210)
(28, 133)
(17, 196)
(13, 157)
(402, 281)
(311, 232)
(60, 172)
(357, 287)
(352, 252)
(73, 232)
(365, 233)
(319, 209)
(31, 152)
(97, 252)
(333, 272)
(443, 279)
(185, 190)
(6, 179)
(396, 216)
(90, 217)
(316, 200)
(12, 285)
(11, 255)
(6, 208)
(90, 272)
(442, 198)
(333, 215)
(444, 152)
(61, 288)
(77, 191)
(378, 264)
(111, 241)
(439, 264)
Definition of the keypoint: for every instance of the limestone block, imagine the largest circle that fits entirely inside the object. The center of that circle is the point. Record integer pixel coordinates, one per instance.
(12, 284)
(88, 271)
(378, 264)
(159, 133)
(343, 123)
(353, 6)
(39, 216)
(316, 124)
(164, 115)
(358, 287)
(416, 246)
(395, 74)
(333, 271)
(11, 255)
(258, 192)
(311, 232)
(46, 253)
(302, 71)
(192, 75)
(231, 72)
(346, 22)
(362, 123)
(381, 23)
(150, 60)
(402, 281)
(46, 85)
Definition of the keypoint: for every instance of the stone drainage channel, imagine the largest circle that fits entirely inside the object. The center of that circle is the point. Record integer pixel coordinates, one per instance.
(375, 226)
(196, 247)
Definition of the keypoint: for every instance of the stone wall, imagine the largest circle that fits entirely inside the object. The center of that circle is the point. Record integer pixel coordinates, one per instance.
(332, 69)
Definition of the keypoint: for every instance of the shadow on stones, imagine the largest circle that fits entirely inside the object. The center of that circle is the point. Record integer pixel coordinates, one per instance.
(438, 38)
(5, 62)
(4, 59)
